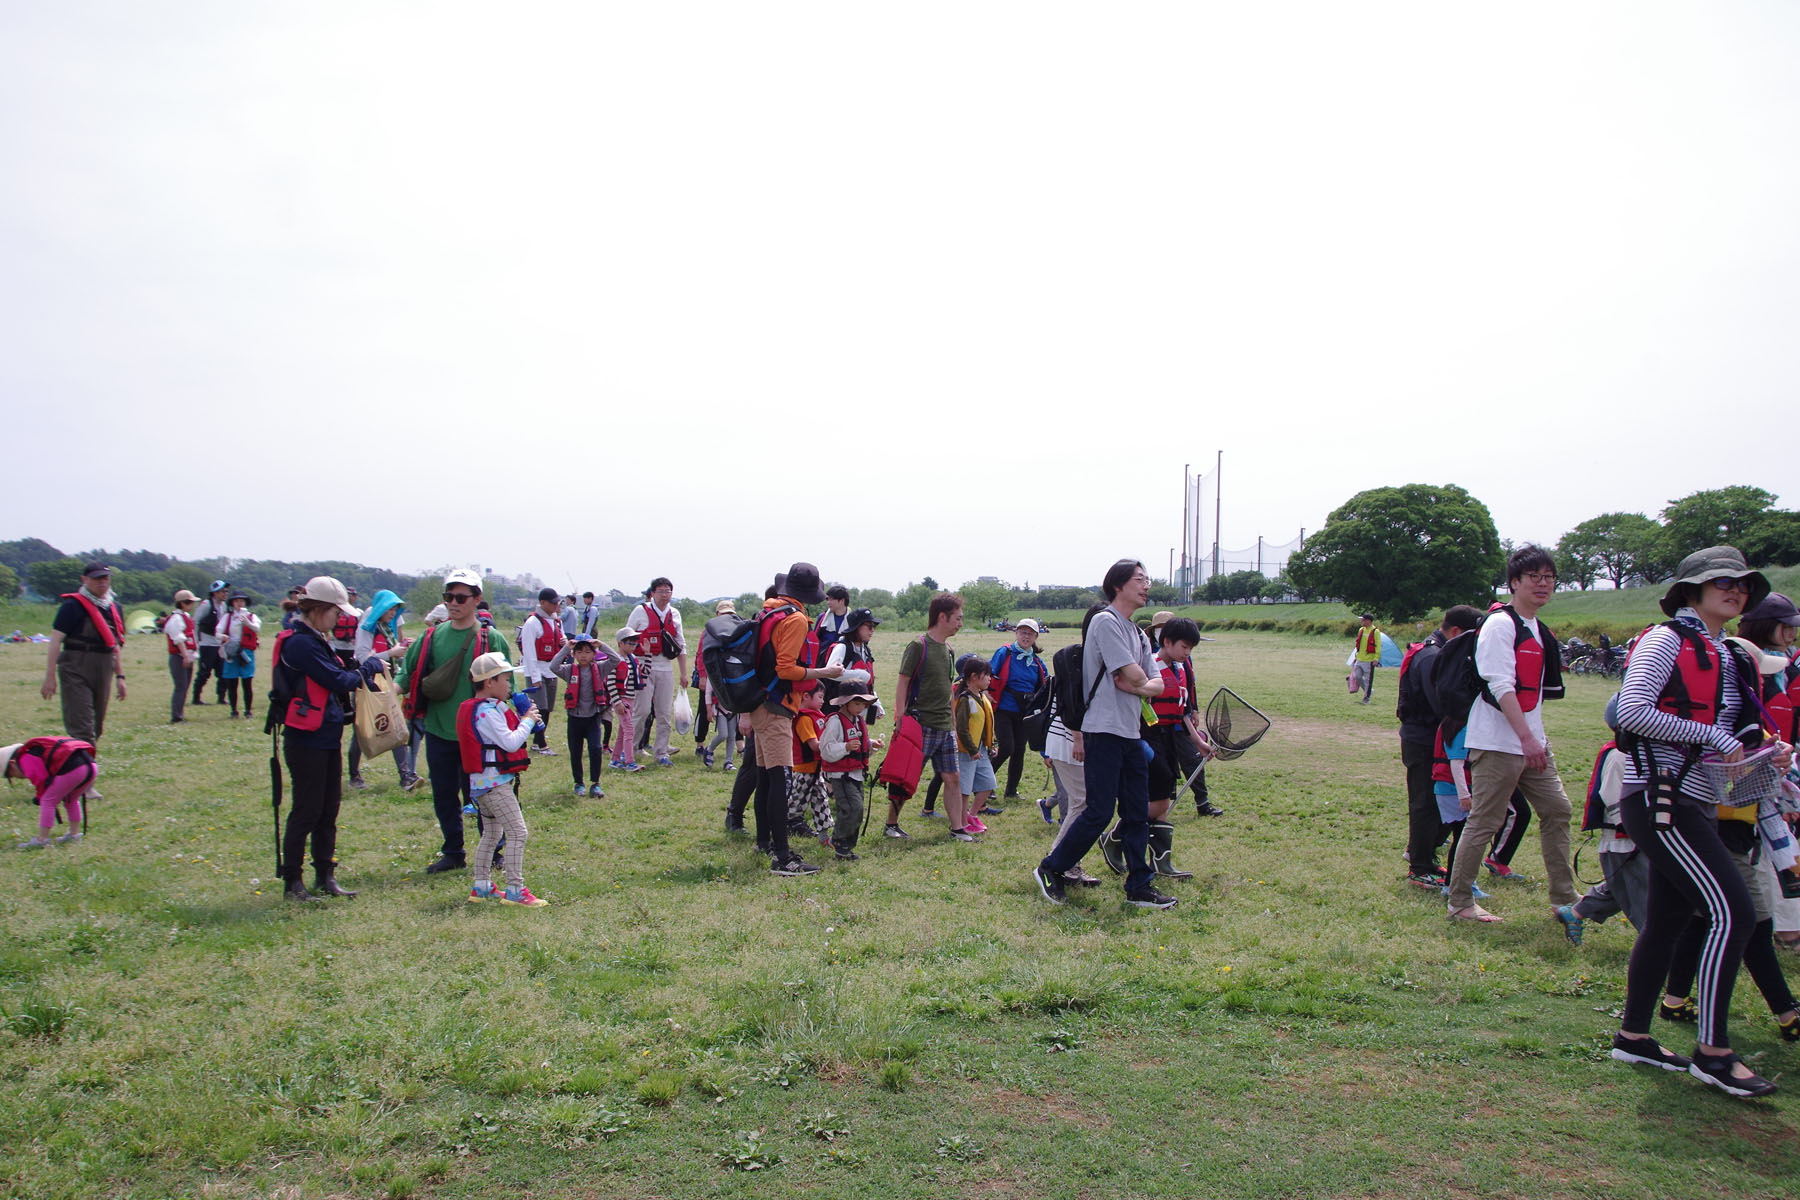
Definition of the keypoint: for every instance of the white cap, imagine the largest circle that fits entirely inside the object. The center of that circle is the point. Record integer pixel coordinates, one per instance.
(488, 666)
(1030, 624)
(464, 576)
(6, 756)
(439, 613)
(327, 589)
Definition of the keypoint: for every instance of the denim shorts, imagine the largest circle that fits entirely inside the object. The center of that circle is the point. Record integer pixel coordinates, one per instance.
(977, 772)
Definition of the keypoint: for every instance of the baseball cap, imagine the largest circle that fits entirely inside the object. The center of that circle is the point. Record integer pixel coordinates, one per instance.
(95, 570)
(488, 666)
(1774, 607)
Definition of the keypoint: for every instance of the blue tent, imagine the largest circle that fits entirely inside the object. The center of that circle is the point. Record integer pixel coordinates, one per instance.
(1390, 653)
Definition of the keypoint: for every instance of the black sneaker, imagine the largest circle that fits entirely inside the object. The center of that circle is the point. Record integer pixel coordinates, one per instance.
(894, 831)
(1049, 883)
(847, 855)
(1647, 1051)
(1149, 898)
(1715, 1069)
(1206, 808)
(734, 822)
(793, 866)
(448, 862)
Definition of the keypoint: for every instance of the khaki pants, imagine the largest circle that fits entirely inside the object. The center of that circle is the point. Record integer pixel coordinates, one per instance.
(85, 679)
(661, 694)
(774, 730)
(1493, 774)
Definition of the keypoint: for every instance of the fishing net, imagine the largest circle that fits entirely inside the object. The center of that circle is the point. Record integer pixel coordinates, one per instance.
(1751, 780)
(1233, 724)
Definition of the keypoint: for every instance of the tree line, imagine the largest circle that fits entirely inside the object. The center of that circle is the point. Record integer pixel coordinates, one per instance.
(1405, 552)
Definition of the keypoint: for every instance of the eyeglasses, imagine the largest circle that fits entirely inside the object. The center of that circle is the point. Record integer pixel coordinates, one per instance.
(1539, 576)
(458, 597)
(1732, 585)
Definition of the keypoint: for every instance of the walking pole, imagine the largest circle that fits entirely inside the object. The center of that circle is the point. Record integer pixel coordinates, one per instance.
(275, 799)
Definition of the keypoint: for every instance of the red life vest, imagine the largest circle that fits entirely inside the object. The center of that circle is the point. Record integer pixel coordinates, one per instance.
(378, 641)
(856, 734)
(306, 706)
(804, 756)
(109, 621)
(1171, 707)
(1440, 758)
(596, 686)
(550, 636)
(189, 640)
(415, 703)
(779, 688)
(905, 759)
(55, 752)
(1528, 665)
(478, 755)
(1695, 690)
(345, 629)
(656, 628)
(998, 679)
(246, 632)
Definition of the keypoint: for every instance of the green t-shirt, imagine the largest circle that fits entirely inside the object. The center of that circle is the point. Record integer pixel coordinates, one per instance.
(448, 643)
(933, 680)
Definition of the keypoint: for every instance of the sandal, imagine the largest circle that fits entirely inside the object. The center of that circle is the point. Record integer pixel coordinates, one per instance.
(1475, 913)
(1790, 1029)
(1687, 1012)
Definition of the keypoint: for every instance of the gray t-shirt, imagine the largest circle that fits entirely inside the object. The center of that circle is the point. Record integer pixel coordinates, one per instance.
(1113, 642)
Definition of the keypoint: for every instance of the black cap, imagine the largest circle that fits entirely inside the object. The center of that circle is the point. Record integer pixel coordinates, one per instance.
(548, 594)
(94, 570)
(802, 582)
(859, 617)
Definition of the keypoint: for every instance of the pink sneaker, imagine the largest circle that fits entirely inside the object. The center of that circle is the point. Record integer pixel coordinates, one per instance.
(975, 825)
(523, 897)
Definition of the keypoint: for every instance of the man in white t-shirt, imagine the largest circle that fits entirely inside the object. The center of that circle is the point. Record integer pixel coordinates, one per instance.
(663, 643)
(539, 639)
(1518, 658)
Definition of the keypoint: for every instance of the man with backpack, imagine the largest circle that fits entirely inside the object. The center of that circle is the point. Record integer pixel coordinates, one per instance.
(786, 658)
(206, 624)
(1419, 713)
(1519, 665)
(435, 680)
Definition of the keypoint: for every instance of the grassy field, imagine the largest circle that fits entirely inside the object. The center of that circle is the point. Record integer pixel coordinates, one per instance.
(919, 1024)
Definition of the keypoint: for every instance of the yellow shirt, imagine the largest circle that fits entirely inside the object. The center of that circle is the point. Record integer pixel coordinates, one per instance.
(1368, 644)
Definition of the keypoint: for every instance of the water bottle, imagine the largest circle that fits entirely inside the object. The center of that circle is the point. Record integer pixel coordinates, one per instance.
(522, 702)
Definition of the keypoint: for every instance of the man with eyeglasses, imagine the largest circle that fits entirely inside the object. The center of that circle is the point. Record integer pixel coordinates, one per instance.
(1519, 660)
(435, 678)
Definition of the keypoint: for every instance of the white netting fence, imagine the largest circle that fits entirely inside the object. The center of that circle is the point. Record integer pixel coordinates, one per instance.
(1200, 561)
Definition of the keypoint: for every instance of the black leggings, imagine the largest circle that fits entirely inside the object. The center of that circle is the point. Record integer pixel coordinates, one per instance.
(771, 811)
(317, 776)
(1692, 877)
(1009, 729)
(230, 692)
(584, 732)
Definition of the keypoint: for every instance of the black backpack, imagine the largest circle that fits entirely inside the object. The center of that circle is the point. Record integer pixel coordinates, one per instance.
(1068, 701)
(728, 651)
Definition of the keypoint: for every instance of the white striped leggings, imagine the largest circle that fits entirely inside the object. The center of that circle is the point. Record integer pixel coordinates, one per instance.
(1692, 877)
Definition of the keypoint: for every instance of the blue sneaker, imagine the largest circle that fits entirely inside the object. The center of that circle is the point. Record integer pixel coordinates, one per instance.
(1046, 808)
(1474, 890)
(469, 810)
(1571, 923)
(664, 761)
(580, 790)
(930, 812)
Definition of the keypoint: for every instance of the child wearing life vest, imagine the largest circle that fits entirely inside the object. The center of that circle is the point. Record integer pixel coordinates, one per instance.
(844, 749)
(807, 796)
(60, 771)
(492, 738)
(239, 627)
(633, 676)
(593, 689)
(976, 741)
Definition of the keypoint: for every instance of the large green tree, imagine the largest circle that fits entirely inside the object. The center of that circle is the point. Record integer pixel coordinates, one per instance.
(20, 554)
(1403, 551)
(1717, 517)
(1619, 546)
(986, 601)
(56, 576)
(1774, 540)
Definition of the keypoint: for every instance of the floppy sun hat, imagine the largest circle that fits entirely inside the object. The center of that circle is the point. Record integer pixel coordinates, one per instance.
(1714, 562)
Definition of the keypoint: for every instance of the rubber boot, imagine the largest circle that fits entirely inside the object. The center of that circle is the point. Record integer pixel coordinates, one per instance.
(326, 882)
(297, 891)
(1162, 837)
(1113, 850)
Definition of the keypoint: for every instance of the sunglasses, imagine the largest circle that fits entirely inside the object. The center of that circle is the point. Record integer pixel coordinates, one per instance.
(1732, 585)
(459, 597)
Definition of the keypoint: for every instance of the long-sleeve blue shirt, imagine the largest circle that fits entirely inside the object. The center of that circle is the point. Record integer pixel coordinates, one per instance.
(305, 652)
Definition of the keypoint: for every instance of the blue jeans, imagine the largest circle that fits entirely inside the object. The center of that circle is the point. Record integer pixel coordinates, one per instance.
(443, 759)
(1118, 776)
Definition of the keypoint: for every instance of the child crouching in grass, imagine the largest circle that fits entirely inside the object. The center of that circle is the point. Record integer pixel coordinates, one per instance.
(493, 738)
(844, 748)
(976, 741)
(60, 770)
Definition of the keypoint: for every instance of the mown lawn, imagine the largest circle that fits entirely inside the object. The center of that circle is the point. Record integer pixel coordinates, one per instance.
(919, 1024)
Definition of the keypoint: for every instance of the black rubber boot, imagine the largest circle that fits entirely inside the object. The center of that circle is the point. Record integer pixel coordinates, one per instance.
(326, 882)
(1162, 837)
(297, 891)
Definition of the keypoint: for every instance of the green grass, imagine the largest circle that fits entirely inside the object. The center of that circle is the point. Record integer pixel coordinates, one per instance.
(919, 1024)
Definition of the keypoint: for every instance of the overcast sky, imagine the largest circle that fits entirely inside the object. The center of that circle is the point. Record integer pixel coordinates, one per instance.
(606, 291)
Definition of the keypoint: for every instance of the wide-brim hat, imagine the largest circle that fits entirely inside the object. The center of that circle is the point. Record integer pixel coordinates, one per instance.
(488, 666)
(859, 617)
(723, 607)
(6, 756)
(801, 582)
(627, 634)
(1715, 562)
(843, 698)
(1774, 607)
(1766, 663)
(1157, 622)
